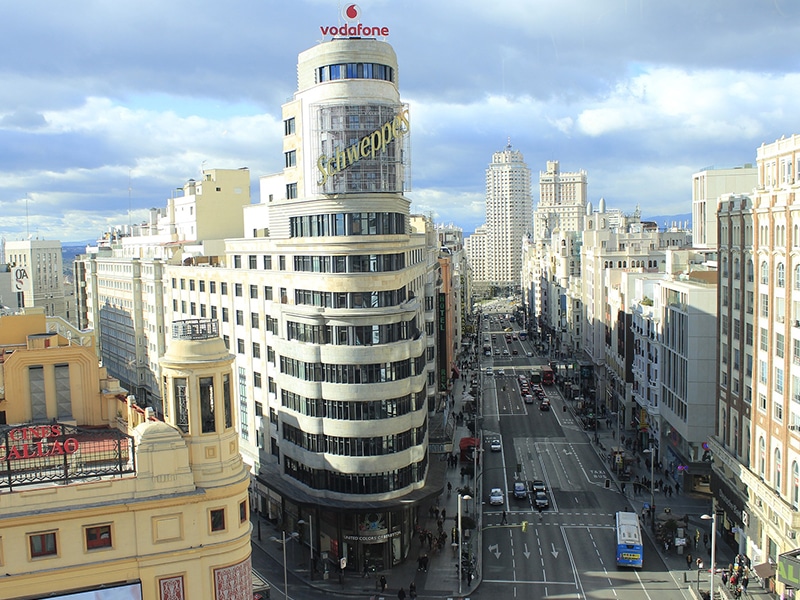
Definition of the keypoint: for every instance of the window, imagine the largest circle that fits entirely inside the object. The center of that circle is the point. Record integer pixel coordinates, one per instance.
(237, 261)
(764, 344)
(282, 263)
(764, 273)
(240, 317)
(779, 380)
(288, 126)
(223, 288)
(237, 289)
(254, 320)
(43, 544)
(777, 465)
(256, 379)
(764, 305)
(267, 292)
(291, 191)
(290, 158)
(267, 262)
(191, 285)
(218, 519)
(762, 458)
(240, 345)
(207, 404)
(202, 285)
(212, 287)
(779, 344)
(214, 312)
(224, 315)
(797, 277)
(256, 350)
(98, 536)
(242, 511)
(252, 261)
(254, 292)
(780, 275)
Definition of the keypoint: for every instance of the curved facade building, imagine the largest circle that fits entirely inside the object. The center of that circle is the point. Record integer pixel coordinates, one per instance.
(348, 354)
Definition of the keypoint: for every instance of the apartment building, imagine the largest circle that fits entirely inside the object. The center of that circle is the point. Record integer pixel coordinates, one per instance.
(37, 267)
(756, 457)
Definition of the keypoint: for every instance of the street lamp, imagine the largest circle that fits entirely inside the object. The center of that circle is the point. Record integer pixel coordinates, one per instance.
(713, 518)
(310, 545)
(460, 539)
(652, 453)
(285, 570)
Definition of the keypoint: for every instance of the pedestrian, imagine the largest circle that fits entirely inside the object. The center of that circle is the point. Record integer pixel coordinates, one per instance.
(401, 594)
(689, 561)
(383, 583)
(725, 578)
(444, 514)
(412, 590)
(504, 520)
(745, 581)
(677, 488)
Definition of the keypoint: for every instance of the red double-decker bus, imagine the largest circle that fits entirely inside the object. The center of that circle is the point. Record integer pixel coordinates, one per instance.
(548, 376)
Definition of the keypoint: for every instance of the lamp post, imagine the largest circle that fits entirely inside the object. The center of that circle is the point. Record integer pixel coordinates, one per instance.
(652, 454)
(310, 545)
(713, 518)
(285, 569)
(460, 539)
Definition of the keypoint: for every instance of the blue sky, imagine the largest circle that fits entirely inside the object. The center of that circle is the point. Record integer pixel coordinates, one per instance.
(109, 105)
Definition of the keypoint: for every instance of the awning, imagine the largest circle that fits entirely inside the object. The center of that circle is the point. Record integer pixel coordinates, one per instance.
(765, 570)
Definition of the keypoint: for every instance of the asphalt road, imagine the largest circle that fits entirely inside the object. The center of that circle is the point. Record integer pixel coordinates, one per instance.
(569, 550)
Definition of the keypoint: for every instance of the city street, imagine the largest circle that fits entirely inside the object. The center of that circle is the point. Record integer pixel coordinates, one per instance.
(567, 550)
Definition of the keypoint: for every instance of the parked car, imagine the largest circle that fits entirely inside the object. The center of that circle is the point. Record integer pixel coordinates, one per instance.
(520, 490)
(496, 497)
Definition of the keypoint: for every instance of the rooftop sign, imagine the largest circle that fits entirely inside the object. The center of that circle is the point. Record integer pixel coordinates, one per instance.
(351, 13)
(37, 453)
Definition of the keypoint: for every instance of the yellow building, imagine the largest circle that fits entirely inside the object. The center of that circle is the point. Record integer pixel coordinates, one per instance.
(97, 495)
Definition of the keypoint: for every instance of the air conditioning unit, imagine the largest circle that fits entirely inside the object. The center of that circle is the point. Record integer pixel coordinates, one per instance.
(797, 323)
(791, 534)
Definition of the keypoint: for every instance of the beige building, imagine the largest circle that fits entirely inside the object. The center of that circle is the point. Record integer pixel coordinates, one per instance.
(37, 268)
(101, 497)
(757, 443)
(707, 187)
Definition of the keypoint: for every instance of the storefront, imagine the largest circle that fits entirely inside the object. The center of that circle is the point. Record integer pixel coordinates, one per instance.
(734, 522)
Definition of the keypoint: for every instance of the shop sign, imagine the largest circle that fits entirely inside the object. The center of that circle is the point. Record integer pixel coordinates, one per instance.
(372, 538)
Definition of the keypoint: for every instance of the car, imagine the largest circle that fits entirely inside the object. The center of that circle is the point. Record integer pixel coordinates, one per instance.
(496, 497)
(537, 485)
(496, 445)
(501, 372)
(505, 352)
(520, 490)
(529, 354)
(540, 500)
(544, 404)
(497, 352)
(514, 352)
(528, 399)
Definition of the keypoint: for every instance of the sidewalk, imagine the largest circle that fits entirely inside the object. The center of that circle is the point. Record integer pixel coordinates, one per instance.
(692, 505)
(441, 578)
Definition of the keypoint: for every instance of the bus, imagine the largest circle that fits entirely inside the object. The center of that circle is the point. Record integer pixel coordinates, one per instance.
(548, 376)
(629, 540)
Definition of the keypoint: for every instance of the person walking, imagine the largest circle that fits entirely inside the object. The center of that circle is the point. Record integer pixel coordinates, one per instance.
(383, 583)
(689, 561)
(504, 520)
(412, 590)
(401, 594)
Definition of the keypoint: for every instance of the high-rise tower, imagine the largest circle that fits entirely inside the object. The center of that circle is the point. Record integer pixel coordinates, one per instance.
(508, 214)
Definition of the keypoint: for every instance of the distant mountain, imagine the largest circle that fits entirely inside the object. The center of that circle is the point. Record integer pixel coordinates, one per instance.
(668, 220)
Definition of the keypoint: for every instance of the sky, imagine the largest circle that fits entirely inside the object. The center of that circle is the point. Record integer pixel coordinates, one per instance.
(107, 107)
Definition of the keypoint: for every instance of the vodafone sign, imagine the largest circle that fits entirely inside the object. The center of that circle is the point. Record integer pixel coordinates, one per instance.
(351, 13)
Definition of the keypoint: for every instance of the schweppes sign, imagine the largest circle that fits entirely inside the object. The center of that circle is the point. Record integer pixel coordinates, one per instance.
(368, 147)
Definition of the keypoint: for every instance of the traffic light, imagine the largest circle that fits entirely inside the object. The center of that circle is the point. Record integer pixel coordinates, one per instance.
(524, 526)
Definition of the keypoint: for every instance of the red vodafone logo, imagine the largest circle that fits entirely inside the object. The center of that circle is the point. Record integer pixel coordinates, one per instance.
(351, 13)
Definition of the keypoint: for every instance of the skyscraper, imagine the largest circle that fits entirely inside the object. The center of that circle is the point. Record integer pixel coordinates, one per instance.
(509, 212)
